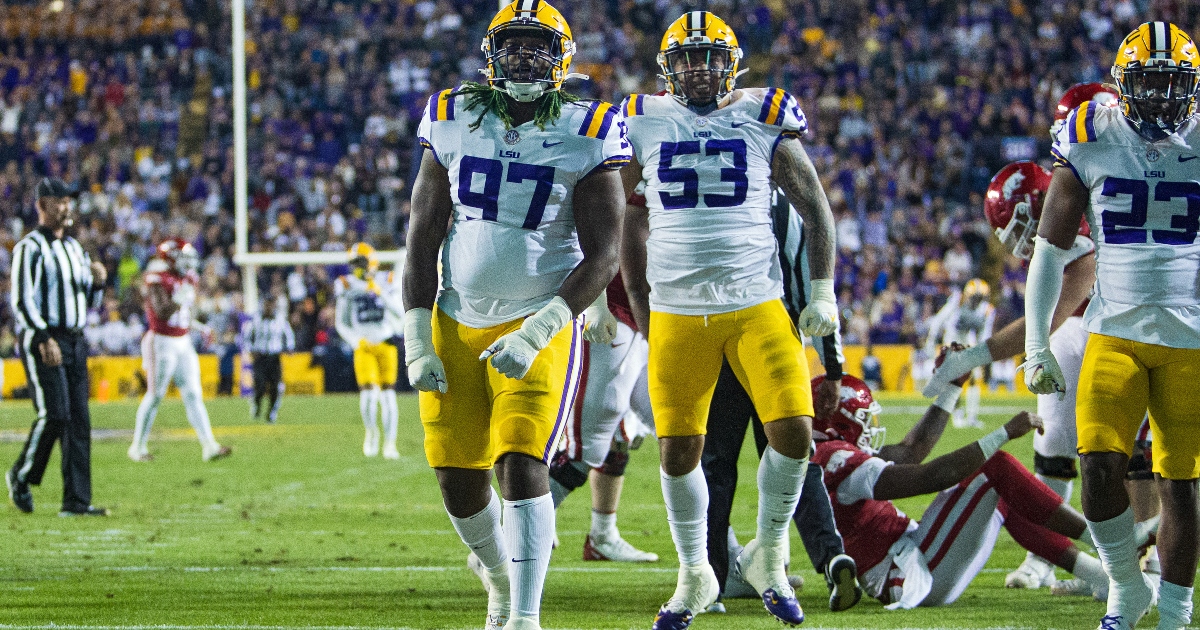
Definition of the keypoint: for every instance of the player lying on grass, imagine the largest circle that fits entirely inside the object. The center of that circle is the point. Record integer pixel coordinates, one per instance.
(906, 563)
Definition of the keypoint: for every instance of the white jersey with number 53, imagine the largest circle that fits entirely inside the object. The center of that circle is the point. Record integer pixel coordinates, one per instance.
(711, 249)
(1144, 213)
(512, 241)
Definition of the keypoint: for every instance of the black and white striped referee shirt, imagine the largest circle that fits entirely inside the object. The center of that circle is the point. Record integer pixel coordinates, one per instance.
(269, 335)
(52, 285)
(793, 261)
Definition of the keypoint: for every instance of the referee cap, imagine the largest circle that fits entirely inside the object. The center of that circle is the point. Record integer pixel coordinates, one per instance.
(53, 187)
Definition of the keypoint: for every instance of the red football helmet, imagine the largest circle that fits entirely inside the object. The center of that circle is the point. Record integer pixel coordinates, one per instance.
(1013, 205)
(1077, 95)
(856, 419)
(179, 254)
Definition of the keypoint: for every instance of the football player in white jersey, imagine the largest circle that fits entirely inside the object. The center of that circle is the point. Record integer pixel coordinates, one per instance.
(368, 314)
(703, 275)
(168, 355)
(967, 319)
(525, 176)
(1134, 172)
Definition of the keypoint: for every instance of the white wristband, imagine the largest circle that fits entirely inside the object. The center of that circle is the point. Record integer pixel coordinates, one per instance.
(992, 442)
(821, 289)
(418, 333)
(948, 398)
(541, 327)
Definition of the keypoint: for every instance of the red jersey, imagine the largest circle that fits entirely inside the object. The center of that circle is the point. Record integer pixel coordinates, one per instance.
(869, 526)
(618, 302)
(181, 289)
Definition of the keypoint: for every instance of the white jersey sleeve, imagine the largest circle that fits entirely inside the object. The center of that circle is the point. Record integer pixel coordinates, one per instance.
(860, 485)
(1144, 214)
(708, 190)
(512, 240)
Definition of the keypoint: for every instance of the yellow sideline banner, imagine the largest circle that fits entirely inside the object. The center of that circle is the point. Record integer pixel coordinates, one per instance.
(124, 376)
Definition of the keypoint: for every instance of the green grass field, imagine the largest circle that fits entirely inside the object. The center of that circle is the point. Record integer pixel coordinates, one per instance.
(299, 529)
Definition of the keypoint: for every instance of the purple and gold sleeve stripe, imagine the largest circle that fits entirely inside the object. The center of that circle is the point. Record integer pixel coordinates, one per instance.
(773, 106)
(1082, 125)
(1060, 160)
(441, 106)
(598, 120)
(634, 105)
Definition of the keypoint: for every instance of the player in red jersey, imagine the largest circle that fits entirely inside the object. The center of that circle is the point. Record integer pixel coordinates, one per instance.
(906, 563)
(167, 353)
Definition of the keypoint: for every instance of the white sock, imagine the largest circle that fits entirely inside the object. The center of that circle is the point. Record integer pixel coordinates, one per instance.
(367, 406)
(973, 392)
(1061, 487)
(604, 525)
(529, 534)
(780, 480)
(390, 416)
(146, 412)
(1090, 570)
(1174, 606)
(1115, 545)
(197, 416)
(686, 497)
(481, 533)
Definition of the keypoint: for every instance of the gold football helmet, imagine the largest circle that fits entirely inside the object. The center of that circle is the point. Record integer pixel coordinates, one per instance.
(362, 260)
(699, 58)
(975, 291)
(528, 48)
(1156, 75)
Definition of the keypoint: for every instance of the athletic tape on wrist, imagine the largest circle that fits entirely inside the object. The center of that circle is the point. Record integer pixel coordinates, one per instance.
(992, 442)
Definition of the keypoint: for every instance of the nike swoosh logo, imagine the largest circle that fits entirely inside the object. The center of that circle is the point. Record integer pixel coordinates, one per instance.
(525, 560)
(547, 145)
(1187, 158)
(737, 124)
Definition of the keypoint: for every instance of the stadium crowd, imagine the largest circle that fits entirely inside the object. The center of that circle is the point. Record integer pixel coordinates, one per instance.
(912, 106)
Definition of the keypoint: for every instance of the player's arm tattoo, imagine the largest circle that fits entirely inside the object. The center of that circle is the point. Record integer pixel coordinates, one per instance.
(599, 204)
(920, 440)
(429, 220)
(633, 251)
(794, 172)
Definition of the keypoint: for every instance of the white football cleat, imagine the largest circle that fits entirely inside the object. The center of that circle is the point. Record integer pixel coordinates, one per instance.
(696, 589)
(1034, 573)
(371, 442)
(496, 586)
(522, 623)
(1079, 587)
(1132, 603)
(764, 569)
(220, 453)
(390, 452)
(615, 549)
(139, 454)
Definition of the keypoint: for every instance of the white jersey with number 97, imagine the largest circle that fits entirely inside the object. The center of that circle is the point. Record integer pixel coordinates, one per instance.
(1144, 213)
(512, 241)
(711, 249)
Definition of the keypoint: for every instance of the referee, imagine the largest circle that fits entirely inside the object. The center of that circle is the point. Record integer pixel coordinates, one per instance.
(268, 336)
(732, 410)
(53, 283)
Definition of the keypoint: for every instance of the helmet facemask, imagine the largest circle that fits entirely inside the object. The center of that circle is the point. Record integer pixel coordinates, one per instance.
(187, 260)
(525, 60)
(1157, 99)
(1018, 235)
(873, 435)
(700, 74)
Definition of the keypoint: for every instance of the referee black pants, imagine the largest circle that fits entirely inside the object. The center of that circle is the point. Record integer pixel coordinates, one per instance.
(268, 373)
(728, 415)
(60, 399)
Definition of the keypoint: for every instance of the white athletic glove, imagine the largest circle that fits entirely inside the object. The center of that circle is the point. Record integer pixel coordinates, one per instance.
(820, 317)
(958, 363)
(425, 370)
(1042, 288)
(513, 354)
(599, 324)
(1042, 374)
